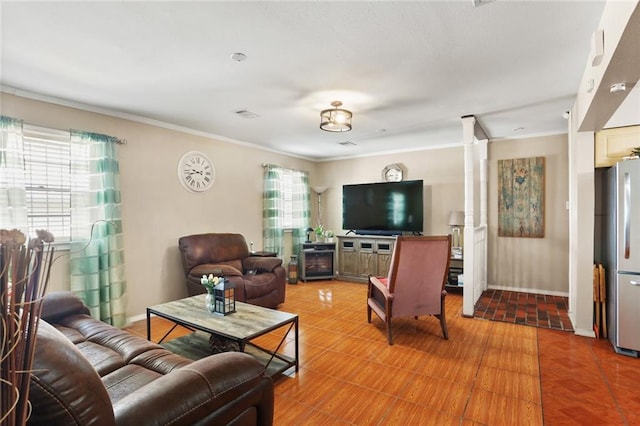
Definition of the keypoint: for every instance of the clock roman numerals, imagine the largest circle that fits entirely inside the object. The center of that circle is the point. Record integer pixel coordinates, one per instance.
(195, 171)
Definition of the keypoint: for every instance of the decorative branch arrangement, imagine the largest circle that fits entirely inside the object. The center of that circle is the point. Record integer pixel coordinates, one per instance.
(24, 275)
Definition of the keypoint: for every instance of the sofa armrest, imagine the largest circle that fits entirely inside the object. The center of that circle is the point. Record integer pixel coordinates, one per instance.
(213, 390)
(261, 264)
(60, 304)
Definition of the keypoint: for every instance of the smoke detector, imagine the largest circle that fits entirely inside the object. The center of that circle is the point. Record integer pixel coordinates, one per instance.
(618, 88)
(238, 56)
(246, 114)
(477, 3)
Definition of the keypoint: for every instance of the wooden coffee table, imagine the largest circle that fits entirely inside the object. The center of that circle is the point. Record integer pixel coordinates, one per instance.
(247, 323)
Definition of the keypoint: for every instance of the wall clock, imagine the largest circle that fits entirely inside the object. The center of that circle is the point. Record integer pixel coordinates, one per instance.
(196, 172)
(392, 173)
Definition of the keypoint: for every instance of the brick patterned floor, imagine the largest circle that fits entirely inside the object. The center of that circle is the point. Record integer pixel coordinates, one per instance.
(537, 310)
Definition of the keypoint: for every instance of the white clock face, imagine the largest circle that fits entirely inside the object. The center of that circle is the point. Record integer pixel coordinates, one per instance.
(196, 171)
(392, 173)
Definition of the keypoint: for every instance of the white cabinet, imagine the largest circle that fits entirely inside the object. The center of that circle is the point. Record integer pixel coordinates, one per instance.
(612, 145)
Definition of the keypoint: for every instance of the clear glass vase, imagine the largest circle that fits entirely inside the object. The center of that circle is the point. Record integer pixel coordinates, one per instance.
(209, 301)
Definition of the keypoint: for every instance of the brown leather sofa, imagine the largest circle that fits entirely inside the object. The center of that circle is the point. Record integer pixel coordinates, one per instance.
(258, 280)
(87, 372)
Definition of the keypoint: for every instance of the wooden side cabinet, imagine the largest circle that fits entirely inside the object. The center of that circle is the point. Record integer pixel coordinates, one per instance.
(456, 267)
(360, 256)
(611, 145)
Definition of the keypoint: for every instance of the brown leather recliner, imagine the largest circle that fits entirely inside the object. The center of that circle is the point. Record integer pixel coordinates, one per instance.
(86, 372)
(258, 280)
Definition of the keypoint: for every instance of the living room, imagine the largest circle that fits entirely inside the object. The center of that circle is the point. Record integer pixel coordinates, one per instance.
(153, 199)
(157, 210)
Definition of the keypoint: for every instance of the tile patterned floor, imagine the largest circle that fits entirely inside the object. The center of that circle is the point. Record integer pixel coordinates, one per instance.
(537, 310)
(487, 373)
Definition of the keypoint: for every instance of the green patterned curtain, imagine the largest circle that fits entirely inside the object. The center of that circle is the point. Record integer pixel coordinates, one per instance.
(274, 202)
(97, 253)
(300, 209)
(273, 210)
(13, 196)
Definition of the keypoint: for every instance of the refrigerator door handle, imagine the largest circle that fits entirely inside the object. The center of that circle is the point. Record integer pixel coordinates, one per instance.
(634, 282)
(627, 213)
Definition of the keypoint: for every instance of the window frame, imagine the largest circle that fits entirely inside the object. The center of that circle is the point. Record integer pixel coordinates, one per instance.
(37, 147)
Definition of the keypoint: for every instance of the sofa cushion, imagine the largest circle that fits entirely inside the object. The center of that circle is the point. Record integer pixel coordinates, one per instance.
(211, 248)
(63, 395)
(103, 359)
(107, 348)
(61, 304)
(129, 378)
(232, 268)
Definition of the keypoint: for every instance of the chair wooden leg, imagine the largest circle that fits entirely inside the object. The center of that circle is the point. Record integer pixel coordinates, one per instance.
(389, 337)
(443, 320)
(443, 324)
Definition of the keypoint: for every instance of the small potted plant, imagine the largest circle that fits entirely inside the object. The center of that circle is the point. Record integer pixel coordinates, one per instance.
(328, 236)
(319, 230)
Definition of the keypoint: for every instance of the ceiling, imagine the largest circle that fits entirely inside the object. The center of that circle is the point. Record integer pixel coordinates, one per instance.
(407, 70)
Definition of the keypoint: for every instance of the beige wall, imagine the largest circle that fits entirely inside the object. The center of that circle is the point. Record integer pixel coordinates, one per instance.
(157, 210)
(442, 171)
(532, 264)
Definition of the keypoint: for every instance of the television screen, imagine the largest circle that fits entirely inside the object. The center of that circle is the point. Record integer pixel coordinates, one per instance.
(383, 208)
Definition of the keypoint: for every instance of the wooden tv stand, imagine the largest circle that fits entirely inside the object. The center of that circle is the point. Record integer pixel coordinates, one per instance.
(362, 255)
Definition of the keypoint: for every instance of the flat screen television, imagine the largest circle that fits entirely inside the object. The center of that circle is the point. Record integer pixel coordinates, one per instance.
(383, 208)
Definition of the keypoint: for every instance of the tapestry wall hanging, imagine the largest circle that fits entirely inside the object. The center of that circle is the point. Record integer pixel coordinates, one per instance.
(521, 197)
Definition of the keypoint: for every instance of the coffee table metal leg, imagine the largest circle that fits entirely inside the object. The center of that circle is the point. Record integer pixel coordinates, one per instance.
(296, 338)
(148, 325)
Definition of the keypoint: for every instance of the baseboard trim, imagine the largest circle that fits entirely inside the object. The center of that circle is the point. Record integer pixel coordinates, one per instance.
(529, 290)
(585, 333)
(136, 318)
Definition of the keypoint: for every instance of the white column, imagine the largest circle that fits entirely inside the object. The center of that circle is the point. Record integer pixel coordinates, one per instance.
(581, 228)
(468, 137)
(483, 158)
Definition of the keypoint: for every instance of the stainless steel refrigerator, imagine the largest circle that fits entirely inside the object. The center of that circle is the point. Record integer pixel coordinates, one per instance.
(622, 232)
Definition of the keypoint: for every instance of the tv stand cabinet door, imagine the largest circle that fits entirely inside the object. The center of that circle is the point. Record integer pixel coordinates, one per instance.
(384, 250)
(367, 258)
(348, 258)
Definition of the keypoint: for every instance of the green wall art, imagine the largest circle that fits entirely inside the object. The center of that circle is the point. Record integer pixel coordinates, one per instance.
(521, 197)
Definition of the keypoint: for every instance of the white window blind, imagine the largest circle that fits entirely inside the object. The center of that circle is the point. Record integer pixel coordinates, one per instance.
(48, 181)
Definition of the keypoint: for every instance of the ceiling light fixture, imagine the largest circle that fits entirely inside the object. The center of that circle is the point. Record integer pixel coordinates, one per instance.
(335, 119)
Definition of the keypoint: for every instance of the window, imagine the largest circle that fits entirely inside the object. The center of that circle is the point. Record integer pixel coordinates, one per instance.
(294, 191)
(48, 181)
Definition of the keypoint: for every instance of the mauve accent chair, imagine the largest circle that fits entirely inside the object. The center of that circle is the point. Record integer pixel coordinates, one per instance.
(415, 284)
(259, 280)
